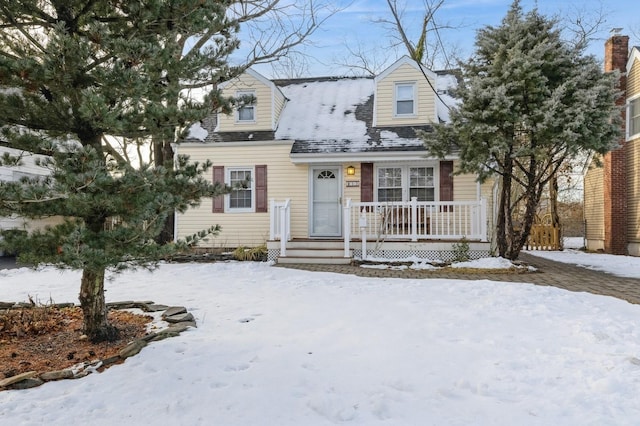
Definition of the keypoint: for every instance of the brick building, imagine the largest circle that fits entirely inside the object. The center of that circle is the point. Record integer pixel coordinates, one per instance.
(612, 186)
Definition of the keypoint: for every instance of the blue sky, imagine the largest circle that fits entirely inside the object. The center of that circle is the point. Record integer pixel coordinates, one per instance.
(353, 26)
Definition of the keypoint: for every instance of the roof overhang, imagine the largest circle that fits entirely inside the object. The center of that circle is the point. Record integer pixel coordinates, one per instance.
(358, 157)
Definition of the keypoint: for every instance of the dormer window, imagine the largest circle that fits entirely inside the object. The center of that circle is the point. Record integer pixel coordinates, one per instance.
(246, 107)
(405, 99)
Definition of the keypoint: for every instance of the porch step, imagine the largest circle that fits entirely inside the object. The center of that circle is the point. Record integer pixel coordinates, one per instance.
(314, 260)
(314, 252)
(311, 251)
(315, 244)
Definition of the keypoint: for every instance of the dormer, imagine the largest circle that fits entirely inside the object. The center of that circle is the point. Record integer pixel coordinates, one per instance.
(405, 95)
(260, 115)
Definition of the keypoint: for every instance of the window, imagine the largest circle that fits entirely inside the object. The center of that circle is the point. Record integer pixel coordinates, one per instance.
(240, 199)
(405, 99)
(634, 117)
(246, 106)
(389, 184)
(249, 186)
(401, 183)
(421, 183)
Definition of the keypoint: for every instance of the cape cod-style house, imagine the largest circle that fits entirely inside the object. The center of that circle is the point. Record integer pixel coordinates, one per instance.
(334, 169)
(612, 183)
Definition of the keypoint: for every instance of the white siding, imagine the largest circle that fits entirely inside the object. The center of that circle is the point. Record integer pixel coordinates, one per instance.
(263, 105)
(633, 79)
(594, 206)
(385, 98)
(465, 187)
(278, 105)
(28, 167)
(632, 154)
(284, 180)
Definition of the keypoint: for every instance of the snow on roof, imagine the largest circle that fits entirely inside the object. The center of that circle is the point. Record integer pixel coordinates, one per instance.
(325, 110)
(444, 101)
(446, 82)
(196, 131)
(333, 114)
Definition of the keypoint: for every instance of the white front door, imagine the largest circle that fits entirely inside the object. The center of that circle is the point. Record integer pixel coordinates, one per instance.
(326, 202)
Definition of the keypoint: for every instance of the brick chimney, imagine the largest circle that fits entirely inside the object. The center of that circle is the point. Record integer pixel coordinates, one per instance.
(616, 52)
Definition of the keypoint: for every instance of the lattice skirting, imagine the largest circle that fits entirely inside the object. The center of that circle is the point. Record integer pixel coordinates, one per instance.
(272, 255)
(441, 255)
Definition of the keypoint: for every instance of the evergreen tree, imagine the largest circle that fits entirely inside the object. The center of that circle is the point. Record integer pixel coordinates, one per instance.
(75, 71)
(530, 102)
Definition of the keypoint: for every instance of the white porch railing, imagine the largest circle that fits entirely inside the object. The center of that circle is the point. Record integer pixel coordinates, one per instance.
(387, 221)
(414, 220)
(280, 223)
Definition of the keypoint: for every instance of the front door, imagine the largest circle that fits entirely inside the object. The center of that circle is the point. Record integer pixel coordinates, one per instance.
(326, 202)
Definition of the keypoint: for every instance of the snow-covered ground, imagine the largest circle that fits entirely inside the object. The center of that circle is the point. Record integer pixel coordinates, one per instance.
(623, 266)
(277, 346)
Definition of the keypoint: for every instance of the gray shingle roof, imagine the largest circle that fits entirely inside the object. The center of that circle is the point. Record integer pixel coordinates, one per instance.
(327, 115)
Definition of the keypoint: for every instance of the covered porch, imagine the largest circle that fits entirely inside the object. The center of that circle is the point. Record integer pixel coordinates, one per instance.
(391, 230)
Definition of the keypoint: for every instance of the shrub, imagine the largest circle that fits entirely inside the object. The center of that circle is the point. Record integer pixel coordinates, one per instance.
(254, 254)
(461, 251)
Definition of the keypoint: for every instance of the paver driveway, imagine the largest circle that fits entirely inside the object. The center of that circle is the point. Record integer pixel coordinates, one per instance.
(549, 272)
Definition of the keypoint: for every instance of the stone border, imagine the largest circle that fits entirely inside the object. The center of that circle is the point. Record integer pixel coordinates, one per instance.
(177, 316)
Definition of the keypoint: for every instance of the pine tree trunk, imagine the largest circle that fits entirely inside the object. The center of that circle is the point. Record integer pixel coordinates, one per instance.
(532, 200)
(504, 225)
(163, 157)
(501, 222)
(94, 308)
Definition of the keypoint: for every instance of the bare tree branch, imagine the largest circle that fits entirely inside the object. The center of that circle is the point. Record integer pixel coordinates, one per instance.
(412, 36)
(582, 24)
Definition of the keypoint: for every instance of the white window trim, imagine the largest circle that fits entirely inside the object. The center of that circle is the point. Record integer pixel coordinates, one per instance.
(406, 178)
(227, 197)
(628, 118)
(414, 86)
(253, 106)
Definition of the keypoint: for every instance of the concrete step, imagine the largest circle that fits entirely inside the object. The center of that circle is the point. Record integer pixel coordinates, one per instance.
(314, 260)
(315, 244)
(314, 252)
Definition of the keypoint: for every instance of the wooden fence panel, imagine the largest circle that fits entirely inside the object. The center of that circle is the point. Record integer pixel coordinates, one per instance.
(544, 237)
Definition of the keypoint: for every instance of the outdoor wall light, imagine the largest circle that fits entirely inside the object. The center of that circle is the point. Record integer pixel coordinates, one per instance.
(351, 171)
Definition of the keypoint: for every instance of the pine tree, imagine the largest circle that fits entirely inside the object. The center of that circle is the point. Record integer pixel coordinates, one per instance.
(530, 102)
(75, 71)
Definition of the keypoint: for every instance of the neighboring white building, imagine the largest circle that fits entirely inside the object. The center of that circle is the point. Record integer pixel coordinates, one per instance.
(27, 168)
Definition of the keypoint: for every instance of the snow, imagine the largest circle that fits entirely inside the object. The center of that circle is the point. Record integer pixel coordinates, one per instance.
(444, 102)
(325, 110)
(277, 346)
(622, 266)
(487, 263)
(196, 131)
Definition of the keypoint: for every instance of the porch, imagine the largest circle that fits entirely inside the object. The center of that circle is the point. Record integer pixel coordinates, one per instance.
(390, 230)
